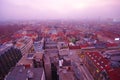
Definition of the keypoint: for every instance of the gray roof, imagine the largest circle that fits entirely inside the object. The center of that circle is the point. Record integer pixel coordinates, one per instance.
(19, 73)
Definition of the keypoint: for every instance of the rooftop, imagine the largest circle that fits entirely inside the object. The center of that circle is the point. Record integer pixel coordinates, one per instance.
(112, 67)
(22, 42)
(27, 59)
(65, 74)
(20, 73)
(64, 52)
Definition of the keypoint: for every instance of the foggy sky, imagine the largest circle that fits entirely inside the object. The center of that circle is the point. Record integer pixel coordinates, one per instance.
(58, 9)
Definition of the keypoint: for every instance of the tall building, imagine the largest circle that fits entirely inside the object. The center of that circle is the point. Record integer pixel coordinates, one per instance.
(47, 66)
(9, 56)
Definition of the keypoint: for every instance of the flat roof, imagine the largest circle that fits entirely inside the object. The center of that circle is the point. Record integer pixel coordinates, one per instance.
(66, 75)
(38, 55)
(63, 52)
(26, 60)
(19, 73)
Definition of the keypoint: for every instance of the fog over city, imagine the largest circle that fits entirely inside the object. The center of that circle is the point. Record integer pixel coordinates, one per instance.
(58, 9)
(59, 39)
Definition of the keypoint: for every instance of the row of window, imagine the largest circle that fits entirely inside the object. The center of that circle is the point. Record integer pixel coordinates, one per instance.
(96, 73)
(8, 60)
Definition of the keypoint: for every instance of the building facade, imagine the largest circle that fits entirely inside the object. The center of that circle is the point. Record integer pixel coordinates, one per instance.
(9, 56)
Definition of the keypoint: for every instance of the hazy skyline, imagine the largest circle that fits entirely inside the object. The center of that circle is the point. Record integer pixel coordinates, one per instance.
(58, 9)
